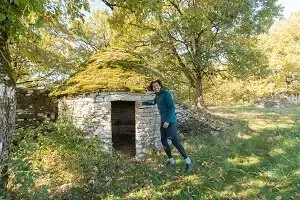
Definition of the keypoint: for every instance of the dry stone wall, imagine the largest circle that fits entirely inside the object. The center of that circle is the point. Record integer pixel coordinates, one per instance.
(33, 107)
(294, 99)
(92, 113)
(279, 101)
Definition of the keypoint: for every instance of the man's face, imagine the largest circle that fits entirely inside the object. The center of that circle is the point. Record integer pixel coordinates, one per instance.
(156, 87)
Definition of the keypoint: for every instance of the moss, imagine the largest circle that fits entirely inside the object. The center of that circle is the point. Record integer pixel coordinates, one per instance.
(107, 71)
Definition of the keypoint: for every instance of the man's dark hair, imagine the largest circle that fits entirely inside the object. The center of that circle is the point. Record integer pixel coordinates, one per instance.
(157, 81)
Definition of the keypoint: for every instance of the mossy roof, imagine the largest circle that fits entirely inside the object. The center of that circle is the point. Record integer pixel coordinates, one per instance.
(107, 72)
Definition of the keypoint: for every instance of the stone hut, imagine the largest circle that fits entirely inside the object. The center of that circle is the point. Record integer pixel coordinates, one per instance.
(100, 99)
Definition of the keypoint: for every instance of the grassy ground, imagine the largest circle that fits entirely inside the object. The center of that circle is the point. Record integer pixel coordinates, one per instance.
(257, 157)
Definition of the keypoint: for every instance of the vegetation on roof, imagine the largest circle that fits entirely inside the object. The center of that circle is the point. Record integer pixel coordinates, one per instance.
(107, 72)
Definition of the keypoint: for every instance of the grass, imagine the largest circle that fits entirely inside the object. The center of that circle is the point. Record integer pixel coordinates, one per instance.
(256, 157)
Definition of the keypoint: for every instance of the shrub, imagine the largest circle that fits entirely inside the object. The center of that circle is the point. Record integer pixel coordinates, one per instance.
(51, 159)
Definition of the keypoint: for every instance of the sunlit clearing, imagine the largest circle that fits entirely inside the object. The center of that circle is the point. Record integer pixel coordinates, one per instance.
(245, 161)
(175, 192)
(194, 179)
(50, 164)
(261, 124)
(289, 143)
(249, 188)
(110, 197)
(228, 192)
(285, 125)
(244, 136)
(276, 152)
(254, 183)
(287, 120)
(248, 192)
(144, 193)
(297, 173)
(267, 174)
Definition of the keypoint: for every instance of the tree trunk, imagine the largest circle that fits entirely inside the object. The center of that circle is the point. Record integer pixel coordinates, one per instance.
(199, 94)
(7, 103)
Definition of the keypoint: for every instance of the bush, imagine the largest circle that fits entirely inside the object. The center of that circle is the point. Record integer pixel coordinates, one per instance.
(51, 159)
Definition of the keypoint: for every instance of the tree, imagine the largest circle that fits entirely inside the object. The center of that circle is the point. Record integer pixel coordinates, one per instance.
(59, 49)
(7, 109)
(281, 45)
(204, 37)
(21, 19)
(95, 32)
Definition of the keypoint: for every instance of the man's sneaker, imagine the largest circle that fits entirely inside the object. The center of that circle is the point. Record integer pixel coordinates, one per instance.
(189, 167)
(169, 164)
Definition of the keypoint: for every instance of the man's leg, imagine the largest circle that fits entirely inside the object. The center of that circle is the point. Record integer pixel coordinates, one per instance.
(172, 134)
(164, 141)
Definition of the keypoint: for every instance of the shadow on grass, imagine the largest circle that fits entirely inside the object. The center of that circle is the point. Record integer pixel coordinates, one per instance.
(245, 164)
(239, 163)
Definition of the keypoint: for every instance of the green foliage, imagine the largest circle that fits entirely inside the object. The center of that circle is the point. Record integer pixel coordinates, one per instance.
(59, 47)
(40, 42)
(281, 45)
(224, 91)
(22, 16)
(94, 33)
(198, 35)
(49, 156)
(256, 157)
(2, 17)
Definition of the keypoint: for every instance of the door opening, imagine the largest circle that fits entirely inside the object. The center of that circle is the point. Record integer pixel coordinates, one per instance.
(123, 126)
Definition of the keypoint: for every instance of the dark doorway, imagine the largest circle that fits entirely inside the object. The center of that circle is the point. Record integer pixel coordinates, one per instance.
(123, 126)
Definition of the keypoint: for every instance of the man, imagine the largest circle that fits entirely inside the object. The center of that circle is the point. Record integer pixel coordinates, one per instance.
(166, 107)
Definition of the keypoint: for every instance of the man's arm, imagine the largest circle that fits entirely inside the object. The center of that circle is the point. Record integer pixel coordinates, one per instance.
(149, 102)
(170, 105)
(146, 103)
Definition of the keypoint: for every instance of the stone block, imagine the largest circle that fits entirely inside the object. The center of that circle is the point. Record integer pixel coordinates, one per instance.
(122, 97)
(148, 97)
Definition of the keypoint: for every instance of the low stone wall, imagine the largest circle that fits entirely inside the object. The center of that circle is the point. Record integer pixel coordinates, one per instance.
(294, 99)
(92, 113)
(34, 107)
(182, 114)
(279, 101)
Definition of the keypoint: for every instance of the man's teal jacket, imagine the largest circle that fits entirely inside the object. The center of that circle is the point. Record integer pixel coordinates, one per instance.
(165, 104)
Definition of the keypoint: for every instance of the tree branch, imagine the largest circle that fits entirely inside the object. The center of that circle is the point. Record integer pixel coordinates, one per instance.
(37, 79)
(142, 26)
(217, 27)
(183, 67)
(110, 5)
(4, 57)
(90, 44)
(196, 40)
(176, 7)
(187, 46)
(209, 78)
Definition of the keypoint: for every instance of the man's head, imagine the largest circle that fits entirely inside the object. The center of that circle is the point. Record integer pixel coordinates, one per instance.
(156, 86)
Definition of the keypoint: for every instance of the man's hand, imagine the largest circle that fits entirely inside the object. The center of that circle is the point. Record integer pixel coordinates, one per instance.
(166, 124)
(138, 104)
